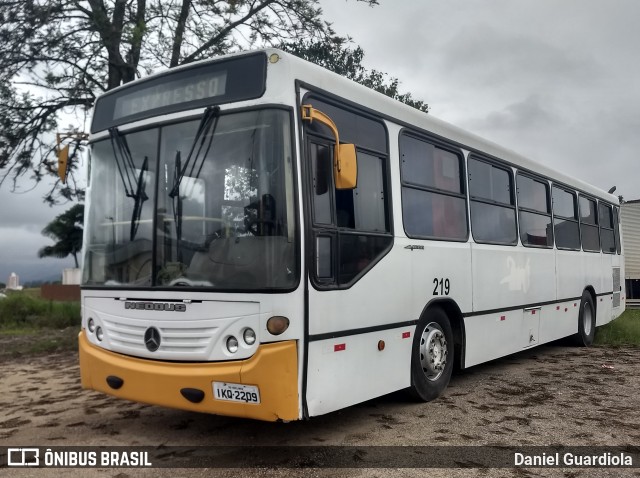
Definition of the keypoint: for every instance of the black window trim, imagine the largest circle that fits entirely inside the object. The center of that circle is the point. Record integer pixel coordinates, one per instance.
(615, 246)
(596, 225)
(575, 219)
(197, 104)
(509, 169)
(309, 142)
(616, 230)
(544, 181)
(412, 133)
(296, 203)
(311, 229)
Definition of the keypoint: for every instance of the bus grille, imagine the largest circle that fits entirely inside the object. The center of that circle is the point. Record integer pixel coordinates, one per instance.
(174, 339)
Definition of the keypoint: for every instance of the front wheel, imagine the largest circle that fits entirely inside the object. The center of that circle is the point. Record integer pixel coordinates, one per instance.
(432, 356)
(586, 321)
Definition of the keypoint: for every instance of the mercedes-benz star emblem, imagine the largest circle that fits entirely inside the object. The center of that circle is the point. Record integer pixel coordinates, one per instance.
(152, 339)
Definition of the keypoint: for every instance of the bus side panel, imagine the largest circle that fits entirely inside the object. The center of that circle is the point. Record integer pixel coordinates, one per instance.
(617, 305)
(604, 306)
(492, 335)
(592, 262)
(506, 277)
(570, 284)
(349, 369)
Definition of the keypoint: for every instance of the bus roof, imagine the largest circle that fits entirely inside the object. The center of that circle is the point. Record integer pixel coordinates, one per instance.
(395, 111)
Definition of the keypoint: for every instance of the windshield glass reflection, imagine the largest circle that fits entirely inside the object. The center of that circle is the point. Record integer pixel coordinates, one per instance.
(224, 218)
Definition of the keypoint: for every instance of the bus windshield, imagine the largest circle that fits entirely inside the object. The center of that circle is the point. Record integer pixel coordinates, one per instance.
(205, 203)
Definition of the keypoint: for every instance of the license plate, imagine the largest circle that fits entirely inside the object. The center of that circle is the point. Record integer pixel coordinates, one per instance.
(236, 392)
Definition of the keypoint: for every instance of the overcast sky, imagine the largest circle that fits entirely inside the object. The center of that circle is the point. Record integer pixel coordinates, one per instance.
(555, 80)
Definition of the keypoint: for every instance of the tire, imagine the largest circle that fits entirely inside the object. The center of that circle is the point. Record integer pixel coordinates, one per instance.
(586, 321)
(431, 367)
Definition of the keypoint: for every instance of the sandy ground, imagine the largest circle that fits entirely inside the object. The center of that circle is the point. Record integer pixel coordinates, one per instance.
(546, 396)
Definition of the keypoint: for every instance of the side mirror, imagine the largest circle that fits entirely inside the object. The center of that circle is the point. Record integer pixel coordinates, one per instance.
(63, 158)
(346, 167)
(345, 162)
(63, 153)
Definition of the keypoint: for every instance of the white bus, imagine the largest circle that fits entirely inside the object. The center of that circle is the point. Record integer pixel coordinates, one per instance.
(238, 262)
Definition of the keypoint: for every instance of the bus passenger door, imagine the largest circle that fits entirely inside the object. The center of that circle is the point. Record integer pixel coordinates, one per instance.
(530, 326)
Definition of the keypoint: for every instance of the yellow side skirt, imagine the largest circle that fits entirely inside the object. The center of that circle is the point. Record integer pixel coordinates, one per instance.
(273, 368)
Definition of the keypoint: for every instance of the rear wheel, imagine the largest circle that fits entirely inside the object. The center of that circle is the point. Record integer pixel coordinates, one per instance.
(586, 321)
(432, 355)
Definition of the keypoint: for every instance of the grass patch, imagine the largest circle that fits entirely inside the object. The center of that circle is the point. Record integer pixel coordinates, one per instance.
(26, 311)
(30, 325)
(625, 330)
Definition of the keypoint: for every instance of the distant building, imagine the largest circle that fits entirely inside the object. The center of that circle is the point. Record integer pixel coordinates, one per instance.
(14, 282)
(630, 221)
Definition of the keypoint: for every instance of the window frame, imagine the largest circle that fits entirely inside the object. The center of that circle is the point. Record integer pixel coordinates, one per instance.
(450, 148)
(596, 225)
(612, 229)
(313, 229)
(549, 213)
(474, 156)
(575, 219)
(616, 229)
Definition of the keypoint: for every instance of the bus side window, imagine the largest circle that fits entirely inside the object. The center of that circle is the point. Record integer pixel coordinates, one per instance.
(534, 212)
(565, 219)
(322, 166)
(607, 236)
(493, 212)
(589, 224)
(433, 199)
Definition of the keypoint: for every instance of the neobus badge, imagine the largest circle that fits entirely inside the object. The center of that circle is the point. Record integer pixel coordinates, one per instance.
(162, 306)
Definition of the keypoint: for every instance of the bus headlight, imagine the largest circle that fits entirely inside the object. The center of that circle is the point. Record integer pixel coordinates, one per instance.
(249, 336)
(99, 333)
(91, 325)
(232, 344)
(277, 325)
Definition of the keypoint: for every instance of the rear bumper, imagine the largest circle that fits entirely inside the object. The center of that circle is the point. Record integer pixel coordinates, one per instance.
(273, 368)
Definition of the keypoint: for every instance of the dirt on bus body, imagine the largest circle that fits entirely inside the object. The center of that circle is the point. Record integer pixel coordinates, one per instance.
(550, 395)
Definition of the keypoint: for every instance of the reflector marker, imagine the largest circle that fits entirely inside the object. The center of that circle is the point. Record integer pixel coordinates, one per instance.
(339, 347)
(406, 335)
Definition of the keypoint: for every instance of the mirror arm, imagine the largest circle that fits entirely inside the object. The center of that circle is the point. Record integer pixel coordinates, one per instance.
(63, 153)
(309, 113)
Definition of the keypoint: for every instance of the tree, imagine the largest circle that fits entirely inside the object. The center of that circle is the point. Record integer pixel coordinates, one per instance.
(334, 55)
(58, 55)
(66, 230)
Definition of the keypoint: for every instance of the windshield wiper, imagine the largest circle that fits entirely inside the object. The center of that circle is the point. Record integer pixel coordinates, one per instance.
(209, 118)
(139, 198)
(126, 168)
(176, 203)
(124, 161)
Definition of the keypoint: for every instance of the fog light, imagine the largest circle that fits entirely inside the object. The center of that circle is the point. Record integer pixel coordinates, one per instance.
(277, 325)
(91, 325)
(99, 333)
(249, 336)
(232, 345)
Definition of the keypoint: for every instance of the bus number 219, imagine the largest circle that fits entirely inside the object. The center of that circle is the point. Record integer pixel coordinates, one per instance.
(441, 285)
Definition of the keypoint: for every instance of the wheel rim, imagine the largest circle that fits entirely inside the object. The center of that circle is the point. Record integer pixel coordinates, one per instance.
(587, 317)
(433, 351)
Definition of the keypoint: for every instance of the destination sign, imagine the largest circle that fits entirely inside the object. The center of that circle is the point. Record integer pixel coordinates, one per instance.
(214, 83)
(171, 93)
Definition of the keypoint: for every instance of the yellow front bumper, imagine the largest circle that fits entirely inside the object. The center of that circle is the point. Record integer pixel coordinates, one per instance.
(273, 368)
